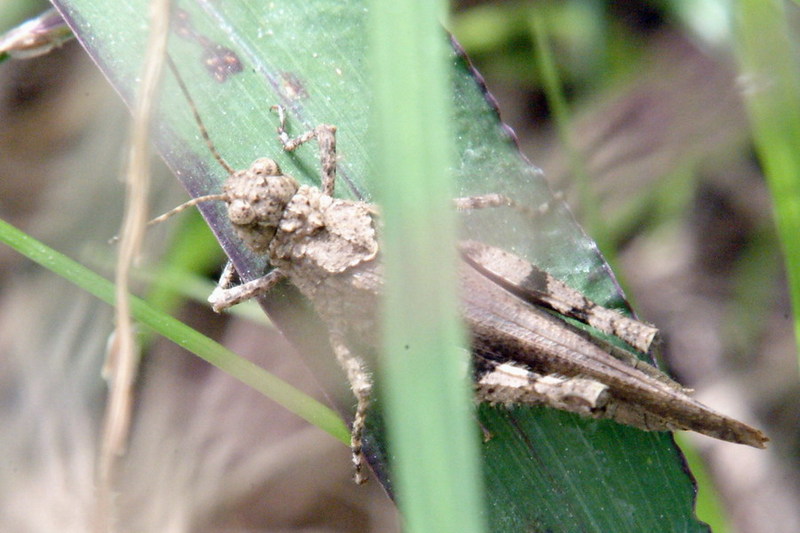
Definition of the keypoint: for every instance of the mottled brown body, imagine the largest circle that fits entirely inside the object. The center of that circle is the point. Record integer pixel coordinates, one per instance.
(328, 249)
(524, 352)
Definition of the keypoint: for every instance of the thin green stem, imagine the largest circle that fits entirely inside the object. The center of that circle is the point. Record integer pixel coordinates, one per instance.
(767, 59)
(428, 398)
(248, 373)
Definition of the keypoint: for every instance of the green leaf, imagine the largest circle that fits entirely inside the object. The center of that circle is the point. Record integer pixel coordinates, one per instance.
(544, 470)
(769, 66)
(240, 368)
(439, 484)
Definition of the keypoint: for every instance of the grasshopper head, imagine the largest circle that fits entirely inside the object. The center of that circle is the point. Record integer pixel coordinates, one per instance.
(256, 199)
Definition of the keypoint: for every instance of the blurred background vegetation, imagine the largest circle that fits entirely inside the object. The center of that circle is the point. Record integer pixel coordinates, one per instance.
(658, 164)
(654, 153)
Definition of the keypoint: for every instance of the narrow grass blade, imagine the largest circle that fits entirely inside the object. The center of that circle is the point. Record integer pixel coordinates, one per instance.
(248, 373)
(769, 66)
(427, 396)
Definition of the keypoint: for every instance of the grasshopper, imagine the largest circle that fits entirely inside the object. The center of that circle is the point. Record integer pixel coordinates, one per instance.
(524, 351)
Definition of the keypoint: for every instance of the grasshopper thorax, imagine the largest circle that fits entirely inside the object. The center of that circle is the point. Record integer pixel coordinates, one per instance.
(256, 199)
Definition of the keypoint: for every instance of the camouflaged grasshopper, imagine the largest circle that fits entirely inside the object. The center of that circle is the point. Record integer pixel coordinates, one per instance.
(524, 352)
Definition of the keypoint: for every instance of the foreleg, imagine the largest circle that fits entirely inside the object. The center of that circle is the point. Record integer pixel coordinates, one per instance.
(227, 294)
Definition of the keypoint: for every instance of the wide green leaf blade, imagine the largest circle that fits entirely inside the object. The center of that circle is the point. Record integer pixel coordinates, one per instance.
(545, 470)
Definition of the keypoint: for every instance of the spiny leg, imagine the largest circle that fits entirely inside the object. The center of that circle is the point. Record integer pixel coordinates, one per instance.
(538, 287)
(361, 385)
(325, 134)
(227, 295)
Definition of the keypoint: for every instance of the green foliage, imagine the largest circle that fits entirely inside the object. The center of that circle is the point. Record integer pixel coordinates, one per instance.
(768, 60)
(178, 332)
(438, 483)
(544, 470)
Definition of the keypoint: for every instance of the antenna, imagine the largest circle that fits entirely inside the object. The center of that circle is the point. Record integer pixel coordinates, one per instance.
(197, 119)
(209, 143)
(186, 205)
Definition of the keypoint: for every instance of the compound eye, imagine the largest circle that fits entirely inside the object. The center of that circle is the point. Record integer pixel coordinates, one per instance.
(265, 167)
(240, 212)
